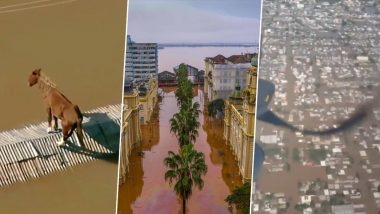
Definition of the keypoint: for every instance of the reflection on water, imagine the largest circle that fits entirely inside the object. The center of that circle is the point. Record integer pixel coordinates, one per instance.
(145, 189)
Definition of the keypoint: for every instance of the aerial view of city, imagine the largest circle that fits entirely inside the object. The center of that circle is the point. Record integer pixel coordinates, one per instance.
(320, 130)
(189, 102)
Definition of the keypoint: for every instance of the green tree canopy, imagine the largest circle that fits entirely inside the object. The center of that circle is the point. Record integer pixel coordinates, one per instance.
(241, 197)
(214, 107)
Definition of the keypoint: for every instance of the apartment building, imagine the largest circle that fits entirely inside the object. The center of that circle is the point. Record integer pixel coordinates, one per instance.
(141, 60)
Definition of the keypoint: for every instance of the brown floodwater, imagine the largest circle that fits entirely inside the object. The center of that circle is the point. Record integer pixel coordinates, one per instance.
(145, 189)
(80, 45)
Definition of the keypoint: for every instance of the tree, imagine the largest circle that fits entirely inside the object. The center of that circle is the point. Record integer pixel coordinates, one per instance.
(185, 169)
(301, 207)
(296, 155)
(193, 108)
(182, 72)
(317, 155)
(214, 107)
(184, 124)
(184, 91)
(337, 199)
(240, 197)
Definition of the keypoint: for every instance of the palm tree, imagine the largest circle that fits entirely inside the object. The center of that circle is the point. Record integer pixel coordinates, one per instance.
(184, 124)
(185, 169)
(184, 91)
(182, 72)
(193, 108)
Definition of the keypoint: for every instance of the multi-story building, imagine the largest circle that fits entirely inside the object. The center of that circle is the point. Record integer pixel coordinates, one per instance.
(239, 121)
(222, 74)
(141, 60)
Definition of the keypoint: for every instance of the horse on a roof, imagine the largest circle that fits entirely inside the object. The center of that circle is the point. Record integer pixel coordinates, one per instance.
(58, 107)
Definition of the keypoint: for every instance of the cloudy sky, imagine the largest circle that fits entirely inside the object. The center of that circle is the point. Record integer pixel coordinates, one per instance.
(194, 20)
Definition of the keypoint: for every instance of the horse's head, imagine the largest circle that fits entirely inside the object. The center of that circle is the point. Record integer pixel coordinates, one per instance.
(33, 77)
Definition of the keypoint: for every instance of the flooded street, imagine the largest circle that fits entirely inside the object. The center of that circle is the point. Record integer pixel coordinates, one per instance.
(145, 189)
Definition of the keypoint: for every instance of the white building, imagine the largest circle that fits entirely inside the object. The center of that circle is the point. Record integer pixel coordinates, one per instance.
(140, 60)
(223, 74)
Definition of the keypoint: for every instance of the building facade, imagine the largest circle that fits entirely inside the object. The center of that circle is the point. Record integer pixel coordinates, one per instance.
(140, 98)
(222, 74)
(239, 122)
(141, 60)
(131, 132)
(147, 100)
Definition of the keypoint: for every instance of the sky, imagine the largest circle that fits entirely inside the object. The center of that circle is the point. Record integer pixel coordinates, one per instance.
(173, 21)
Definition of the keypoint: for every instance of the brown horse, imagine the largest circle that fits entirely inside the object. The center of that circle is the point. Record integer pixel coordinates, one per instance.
(58, 107)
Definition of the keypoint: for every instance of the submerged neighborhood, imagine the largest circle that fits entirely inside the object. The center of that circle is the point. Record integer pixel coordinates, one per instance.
(323, 58)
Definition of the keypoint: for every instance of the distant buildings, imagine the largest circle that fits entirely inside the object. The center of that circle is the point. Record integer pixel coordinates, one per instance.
(193, 73)
(166, 78)
(141, 60)
(239, 121)
(222, 74)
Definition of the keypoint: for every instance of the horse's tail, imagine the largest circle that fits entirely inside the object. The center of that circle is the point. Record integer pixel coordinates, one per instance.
(79, 129)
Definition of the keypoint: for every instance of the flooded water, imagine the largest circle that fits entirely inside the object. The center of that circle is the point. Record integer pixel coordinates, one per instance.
(145, 189)
(87, 188)
(83, 53)
(173, 56)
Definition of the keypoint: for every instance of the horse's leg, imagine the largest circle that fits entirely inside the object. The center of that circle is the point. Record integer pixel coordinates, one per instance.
(55, 123)
(72, 128)
(48, 110)
(65, 132)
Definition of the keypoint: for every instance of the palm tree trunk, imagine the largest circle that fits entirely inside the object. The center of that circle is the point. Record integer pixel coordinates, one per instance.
(183, 206)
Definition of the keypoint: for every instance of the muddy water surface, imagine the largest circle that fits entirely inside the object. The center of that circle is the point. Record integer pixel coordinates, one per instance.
(80, 45)
(146, 191)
